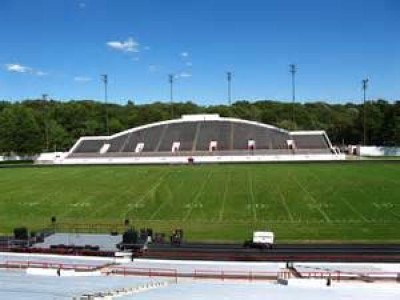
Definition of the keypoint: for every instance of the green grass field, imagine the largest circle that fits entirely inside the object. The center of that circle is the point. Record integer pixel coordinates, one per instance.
(299, 202)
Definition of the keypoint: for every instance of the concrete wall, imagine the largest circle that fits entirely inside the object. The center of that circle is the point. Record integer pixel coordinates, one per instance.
(378, 151)
(200, 159)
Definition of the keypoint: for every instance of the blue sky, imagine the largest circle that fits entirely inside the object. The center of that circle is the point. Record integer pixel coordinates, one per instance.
(60, 47)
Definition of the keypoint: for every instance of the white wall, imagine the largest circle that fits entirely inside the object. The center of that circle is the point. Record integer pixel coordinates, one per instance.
(378, 151)
(200, 159)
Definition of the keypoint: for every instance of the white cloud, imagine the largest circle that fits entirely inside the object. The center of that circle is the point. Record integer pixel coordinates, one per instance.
(130, 45)
(17, 68)
(184, 54)
(184, 75)
(82, 79)
(41, 73)
(152, 68)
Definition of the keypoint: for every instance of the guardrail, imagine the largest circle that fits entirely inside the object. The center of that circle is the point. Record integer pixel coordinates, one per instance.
(207, 273)
(21, 264)
(254, 275)
(147, 272)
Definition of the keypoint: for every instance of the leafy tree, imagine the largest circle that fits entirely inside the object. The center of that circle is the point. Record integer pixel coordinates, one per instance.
(56, 124)
(19, 131)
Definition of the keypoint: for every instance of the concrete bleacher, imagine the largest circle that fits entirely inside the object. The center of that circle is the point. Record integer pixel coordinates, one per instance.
(179, 132)
(89, 146)
(117, 143)
(310, 141)
(214, 131)
(195, 135)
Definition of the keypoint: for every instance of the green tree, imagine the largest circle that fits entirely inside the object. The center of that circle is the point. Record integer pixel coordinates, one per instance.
(19, 131)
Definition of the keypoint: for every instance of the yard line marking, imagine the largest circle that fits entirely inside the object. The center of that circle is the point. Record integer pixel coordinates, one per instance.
(321, 211)
(222, 209)
(198, 195)
(156, 212)
(285, 204)
(120, 197)
(252, 198)
(353, 209)
(394, 214)
(150, 190)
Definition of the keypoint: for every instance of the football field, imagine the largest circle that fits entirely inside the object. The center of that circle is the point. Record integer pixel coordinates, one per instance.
(299, 202)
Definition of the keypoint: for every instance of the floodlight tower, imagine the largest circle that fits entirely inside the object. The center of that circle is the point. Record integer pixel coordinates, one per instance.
(229, 79)
(46, 121)
(364, 87)
(171, 78)
(104, 78)
(293, 70)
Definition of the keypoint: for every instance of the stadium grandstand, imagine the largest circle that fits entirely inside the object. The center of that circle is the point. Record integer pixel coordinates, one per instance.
(204, 138)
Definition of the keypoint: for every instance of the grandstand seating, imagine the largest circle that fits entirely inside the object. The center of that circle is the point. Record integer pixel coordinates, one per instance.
(310, 141)
(178, 132)
(214, 131)
(231, 137)
(89, 146)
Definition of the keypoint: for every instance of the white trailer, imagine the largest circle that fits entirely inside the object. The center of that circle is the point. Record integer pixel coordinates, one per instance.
(261, 240)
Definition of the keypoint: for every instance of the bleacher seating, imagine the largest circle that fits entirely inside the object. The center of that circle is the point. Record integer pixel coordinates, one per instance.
(194, 137)
(117, 143)
(316, 141)
(89, 146)
(178, 132)
(218, 131)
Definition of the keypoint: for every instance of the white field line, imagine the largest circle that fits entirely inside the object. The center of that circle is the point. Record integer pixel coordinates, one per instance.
(198, 195)
(353, 209)
(222, 209)
(283, 200)
(252, 197)
(164, 201)
(321, 211)
(391, 212)
(118, 196)
(149, 191)
(155, 213)
(394, 214)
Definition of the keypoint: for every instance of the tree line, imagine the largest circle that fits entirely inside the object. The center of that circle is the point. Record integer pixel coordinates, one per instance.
(33, 126)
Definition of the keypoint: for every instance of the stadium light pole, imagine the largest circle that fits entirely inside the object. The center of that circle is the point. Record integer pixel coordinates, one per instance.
(229, 79)
(293, 70)
(364, 87)
(171, 93)
(104, 78)
(44, 98)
